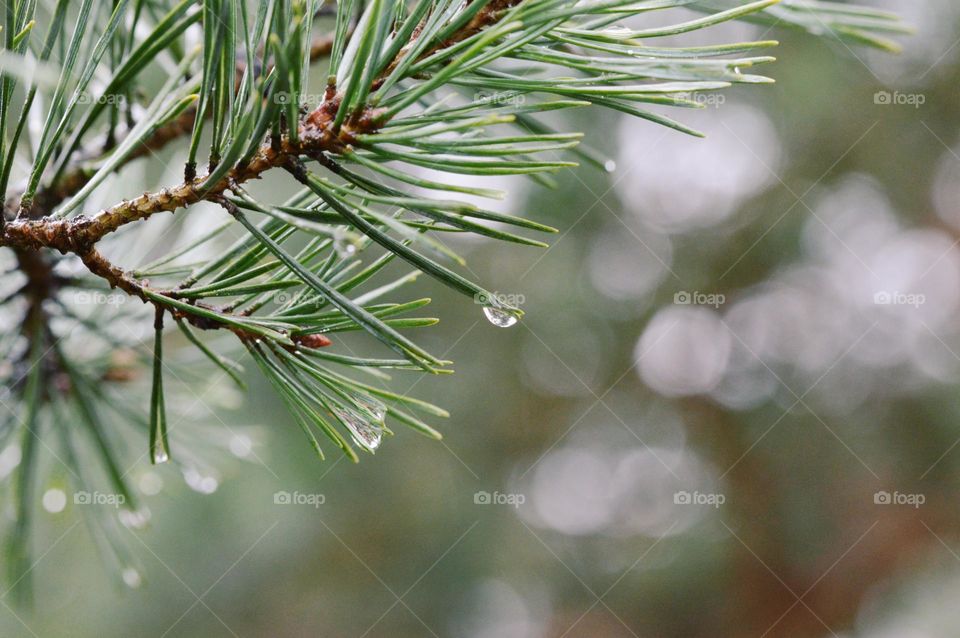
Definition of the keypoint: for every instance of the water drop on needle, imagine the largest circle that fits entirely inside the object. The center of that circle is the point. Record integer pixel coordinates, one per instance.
(160, 454)
(500, 318)
(617, 31)
(365, 434)
(371, 405)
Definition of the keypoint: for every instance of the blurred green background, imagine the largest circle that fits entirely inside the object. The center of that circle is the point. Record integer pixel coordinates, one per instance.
(730, 410)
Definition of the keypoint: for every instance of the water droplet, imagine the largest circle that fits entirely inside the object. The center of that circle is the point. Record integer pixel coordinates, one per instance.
(131, 578)
(736, 70)
(134, 519)
(160, 453)
(54, 500)
(617, 31)
(609, 166)
(345, 243)
(365, 434)
(500, 317)
(376, 409)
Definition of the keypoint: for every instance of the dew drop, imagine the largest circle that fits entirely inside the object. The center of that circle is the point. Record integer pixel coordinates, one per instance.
(617, 31)
(131, 578)
(371, 405)
(160, 454)
(54, 500)
(344, 243)
(499, 317)
(610, 166)
(365, 434)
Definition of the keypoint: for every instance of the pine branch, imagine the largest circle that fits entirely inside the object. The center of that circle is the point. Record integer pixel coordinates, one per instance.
(47, 198)
(458, 88)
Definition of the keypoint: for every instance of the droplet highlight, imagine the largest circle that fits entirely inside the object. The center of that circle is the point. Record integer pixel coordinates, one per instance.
(364, 433)
(500, 317)
(617, 31)
(374, 408)
(159, 454)
(344, 243)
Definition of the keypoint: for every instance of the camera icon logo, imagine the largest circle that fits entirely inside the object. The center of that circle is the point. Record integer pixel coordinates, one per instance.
(482, 498)
(683, 298)
(682, 498)
(882, 298)
(282, 498)
(882, 498)
(882, 98)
